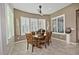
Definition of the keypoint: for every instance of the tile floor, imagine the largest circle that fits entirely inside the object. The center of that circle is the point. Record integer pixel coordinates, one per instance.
(56, 48)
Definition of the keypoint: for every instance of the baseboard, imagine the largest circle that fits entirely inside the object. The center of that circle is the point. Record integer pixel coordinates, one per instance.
(65, 41)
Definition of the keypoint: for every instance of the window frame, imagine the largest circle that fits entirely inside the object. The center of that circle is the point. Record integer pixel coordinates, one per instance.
(63, 15)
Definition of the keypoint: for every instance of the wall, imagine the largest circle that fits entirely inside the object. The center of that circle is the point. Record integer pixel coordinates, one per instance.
(3, 29)
(77, 22)
(0, 38)
(1, 52)
(19, 13)
(70, 19)
(4, 47)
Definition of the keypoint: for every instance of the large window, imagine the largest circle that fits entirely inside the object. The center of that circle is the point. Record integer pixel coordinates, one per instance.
(10, 23)
(31, 24)
(41, 23)
(58, 24)
(24, 25)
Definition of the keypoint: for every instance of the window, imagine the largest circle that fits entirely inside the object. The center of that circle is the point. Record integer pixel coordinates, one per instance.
(24, 25)
(54, 25)
(58, 24)
(41, 24)
(31, 24)
(10, 23)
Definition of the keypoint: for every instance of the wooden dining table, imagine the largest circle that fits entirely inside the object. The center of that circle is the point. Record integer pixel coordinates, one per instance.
(38, 37)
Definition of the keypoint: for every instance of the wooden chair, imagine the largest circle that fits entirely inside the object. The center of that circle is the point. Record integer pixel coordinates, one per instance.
(33, 33)
(49, 39)
(30, 40)
(45, 39)
(42, 41)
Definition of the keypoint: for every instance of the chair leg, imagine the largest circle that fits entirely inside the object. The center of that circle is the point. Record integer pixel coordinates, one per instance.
(45, 46)
(32, 48)
(27, 46)
(48, 43)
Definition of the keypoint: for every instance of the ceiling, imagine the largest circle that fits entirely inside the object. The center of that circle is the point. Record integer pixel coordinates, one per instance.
(47, 8)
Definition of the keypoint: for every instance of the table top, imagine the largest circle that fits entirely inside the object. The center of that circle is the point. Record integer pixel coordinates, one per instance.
(38, 36)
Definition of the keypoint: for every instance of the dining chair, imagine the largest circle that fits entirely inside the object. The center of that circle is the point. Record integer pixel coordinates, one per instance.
(45, 39)
(33, 33)
(42, 41)
(30, 40)
(49, 39)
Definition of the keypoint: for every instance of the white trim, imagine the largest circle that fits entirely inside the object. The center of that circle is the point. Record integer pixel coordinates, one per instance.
(63, 23)
(65, 41)
(59, 33)
(58, 16)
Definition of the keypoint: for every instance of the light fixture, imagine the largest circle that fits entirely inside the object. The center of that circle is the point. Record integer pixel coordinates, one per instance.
(40, 10)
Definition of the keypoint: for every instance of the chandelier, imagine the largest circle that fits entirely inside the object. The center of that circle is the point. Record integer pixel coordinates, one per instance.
(40, 10)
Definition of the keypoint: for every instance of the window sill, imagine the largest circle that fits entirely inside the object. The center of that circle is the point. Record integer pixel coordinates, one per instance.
(59, 33)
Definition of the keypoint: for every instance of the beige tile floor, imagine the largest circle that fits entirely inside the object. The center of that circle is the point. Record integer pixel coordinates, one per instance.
(56, 48)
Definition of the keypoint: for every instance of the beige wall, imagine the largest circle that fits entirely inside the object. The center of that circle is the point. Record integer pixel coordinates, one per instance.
(1, 51)
(77, 26)
(3, 22)
(70, 18)
(19, 13)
